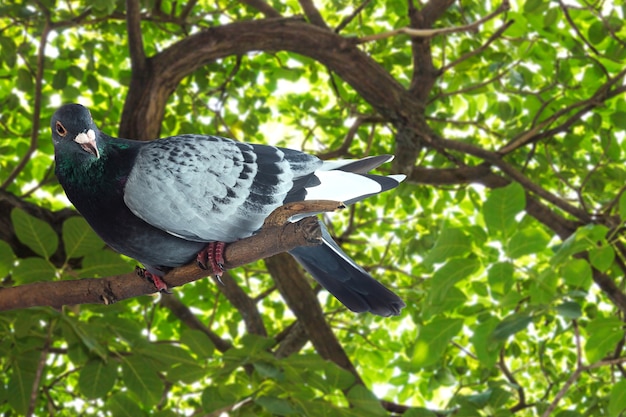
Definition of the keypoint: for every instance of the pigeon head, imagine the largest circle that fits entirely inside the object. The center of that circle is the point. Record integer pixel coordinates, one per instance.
(73, 130)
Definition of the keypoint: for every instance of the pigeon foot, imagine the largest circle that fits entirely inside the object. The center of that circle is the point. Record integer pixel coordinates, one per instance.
(212, 256)
(156, 280)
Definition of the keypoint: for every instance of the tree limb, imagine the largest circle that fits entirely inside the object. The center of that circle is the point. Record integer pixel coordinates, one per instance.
(135, 40)
(429, 33)
(302, 300)
(277, 235)
(185, 315)
(312, 13)
(34, 134)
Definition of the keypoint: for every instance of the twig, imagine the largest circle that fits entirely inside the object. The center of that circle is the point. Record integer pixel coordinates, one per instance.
(602, 94)
(429, 33)
(478, 50)
(565, 10)
(34, 136)
(346, 20)
(39, 372)
(186, 316)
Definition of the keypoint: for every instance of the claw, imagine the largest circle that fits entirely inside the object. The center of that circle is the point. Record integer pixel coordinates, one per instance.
(156, 280)
(213, 256)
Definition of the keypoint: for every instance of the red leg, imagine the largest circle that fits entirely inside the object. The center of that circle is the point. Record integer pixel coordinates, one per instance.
(212, 256)
(158, 282)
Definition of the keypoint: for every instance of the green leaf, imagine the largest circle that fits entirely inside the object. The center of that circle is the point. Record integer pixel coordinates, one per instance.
(602, 257)
(365, 402)
(617, 399)
(597, 32)
(123, 328)
(7, 258)
(502, 206)
(198, 342)
(86, 335)
(452, 242)
(214, 398)
(527, 241)
(24, 81)
(59, 81)
(34, 233)
(33, 270)
(500, 277)
(512, 324)
(166, 354)
(104, 263)
(603, 335)
(97, 378)
(21, 379)
(577, 273)
(140, 376)
(622, 207)
(543, 288)
(433, 340)
(79, 238)
(419, 412)
(448, 275)
(122, 405)
(569, 310)
(276, 406)
(484, 345)
(186, 373)
(337, 377)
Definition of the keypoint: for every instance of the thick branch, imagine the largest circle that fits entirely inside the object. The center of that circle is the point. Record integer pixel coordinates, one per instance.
(135, 40)
(275, 237)
(312, 13)
(302, 300)
(185, 315)
(243, 303)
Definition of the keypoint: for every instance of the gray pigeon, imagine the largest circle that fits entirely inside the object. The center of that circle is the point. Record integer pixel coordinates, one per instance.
(168, 201)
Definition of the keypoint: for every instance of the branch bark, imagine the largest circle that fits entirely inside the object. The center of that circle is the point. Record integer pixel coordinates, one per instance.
(302, 300)
(277, 235)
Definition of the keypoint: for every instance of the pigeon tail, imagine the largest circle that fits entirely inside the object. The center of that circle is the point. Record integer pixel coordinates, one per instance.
(344, 279)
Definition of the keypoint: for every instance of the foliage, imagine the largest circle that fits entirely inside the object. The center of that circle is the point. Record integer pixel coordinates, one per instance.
(506, 241)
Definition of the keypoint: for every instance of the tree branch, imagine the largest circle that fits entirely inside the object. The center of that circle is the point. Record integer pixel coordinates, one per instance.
(302, 300)
(135, 40)
(312, 13)
(429, 33)
(263, 7)
(34, 134)
(277, 235)
(243, 303)
(185, 315)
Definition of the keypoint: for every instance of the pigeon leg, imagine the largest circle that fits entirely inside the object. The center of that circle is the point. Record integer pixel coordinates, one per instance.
(158, 282)
(212, 256)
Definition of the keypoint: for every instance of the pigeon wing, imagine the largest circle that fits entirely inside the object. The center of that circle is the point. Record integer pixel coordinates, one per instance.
(208, 188)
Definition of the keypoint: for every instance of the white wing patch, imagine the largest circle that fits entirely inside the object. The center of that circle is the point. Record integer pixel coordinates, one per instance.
(341, 186)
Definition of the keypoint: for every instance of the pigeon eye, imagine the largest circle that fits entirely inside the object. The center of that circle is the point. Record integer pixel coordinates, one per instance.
(61, 131)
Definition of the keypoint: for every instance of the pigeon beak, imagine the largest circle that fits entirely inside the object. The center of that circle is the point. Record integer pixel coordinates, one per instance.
(87, 141)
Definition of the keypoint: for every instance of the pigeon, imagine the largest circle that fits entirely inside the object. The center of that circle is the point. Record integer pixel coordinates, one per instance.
(167, 201)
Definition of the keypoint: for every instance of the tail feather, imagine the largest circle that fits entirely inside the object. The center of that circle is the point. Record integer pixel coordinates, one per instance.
(344, 279)
(357, 166)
